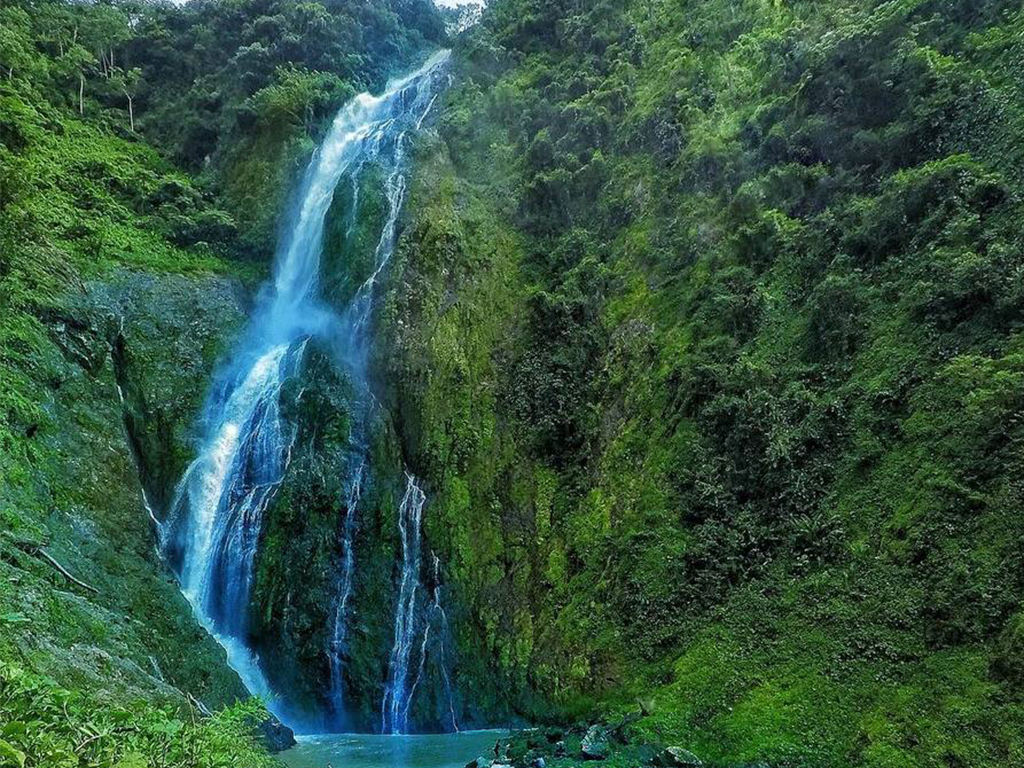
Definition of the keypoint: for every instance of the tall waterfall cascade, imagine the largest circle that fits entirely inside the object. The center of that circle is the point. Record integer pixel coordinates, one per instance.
(418, 626)
(395, 711)
(212, 529)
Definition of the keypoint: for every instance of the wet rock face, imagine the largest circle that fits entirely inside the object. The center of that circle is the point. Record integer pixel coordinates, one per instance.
(154, 337)
(165, 334)
(294, 591)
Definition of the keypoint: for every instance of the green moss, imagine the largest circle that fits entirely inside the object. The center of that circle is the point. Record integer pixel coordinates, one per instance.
(704, 333)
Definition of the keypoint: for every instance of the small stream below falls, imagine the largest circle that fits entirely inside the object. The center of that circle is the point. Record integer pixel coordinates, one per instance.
(347, 750)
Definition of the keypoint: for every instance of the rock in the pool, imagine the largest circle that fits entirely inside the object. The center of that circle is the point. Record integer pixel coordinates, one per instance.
(595, 744)
(677, 757)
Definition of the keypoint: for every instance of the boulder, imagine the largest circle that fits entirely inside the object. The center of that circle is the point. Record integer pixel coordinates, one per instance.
(677, 757)
(480, 762)
(595, 744)
(539, 762)
(275, 735)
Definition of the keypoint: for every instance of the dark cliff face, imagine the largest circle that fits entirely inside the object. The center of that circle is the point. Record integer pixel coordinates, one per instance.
(296, 593)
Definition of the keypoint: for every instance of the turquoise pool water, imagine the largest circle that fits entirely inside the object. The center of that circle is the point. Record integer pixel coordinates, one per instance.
(357, 750)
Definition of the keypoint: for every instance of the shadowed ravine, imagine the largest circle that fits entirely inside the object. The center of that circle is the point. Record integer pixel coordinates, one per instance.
(212, 532)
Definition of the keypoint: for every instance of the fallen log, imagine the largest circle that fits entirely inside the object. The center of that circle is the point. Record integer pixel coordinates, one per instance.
(35, 550)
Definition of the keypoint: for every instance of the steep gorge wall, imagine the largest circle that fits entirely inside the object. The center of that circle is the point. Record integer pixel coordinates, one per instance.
(301, 552)
(704, 337)
(132, 633)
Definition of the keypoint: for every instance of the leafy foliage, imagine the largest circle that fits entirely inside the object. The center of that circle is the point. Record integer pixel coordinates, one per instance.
(235, 90)
(714, 373)
(45, 726)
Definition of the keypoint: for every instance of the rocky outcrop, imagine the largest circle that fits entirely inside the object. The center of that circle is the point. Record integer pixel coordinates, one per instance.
(275, 735)
(165, 335)
(601, 743)
(132, 351)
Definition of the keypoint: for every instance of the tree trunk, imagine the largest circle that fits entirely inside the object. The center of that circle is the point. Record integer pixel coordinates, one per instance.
(131, 111)
(81, 94)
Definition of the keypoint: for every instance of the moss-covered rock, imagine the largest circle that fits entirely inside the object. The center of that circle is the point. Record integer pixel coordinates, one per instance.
(122, 402)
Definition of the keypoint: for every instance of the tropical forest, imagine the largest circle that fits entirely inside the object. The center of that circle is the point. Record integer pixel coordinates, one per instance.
(511, 384)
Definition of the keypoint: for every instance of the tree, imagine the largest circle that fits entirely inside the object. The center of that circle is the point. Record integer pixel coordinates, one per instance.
(103, 30)
(15, 40)
(296, 95)
(127, 81)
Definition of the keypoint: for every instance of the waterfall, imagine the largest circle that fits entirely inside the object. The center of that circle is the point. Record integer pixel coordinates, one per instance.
(354, 324)
(438, 610)
(339, 630)
(212, 529)
(435, 613)
(401, 684)
(398, 693)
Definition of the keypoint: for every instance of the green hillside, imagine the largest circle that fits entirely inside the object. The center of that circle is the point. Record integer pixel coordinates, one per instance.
(703, 335)
(708, 338)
